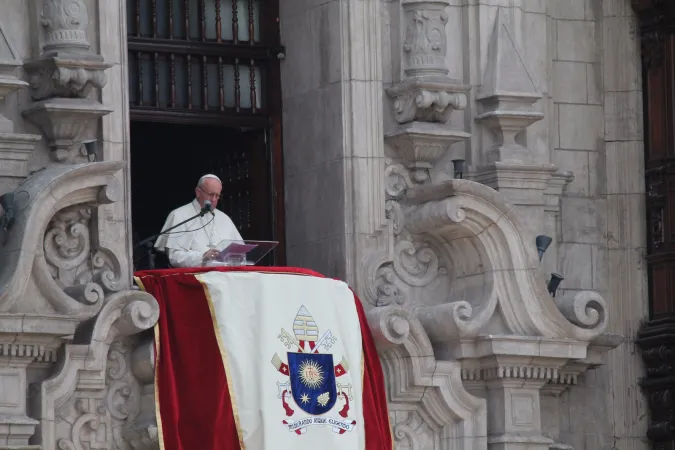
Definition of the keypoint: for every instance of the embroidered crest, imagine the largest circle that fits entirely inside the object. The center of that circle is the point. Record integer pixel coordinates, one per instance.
(313, 380)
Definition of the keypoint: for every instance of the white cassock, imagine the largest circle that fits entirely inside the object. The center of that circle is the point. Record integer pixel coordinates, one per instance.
(185, 246)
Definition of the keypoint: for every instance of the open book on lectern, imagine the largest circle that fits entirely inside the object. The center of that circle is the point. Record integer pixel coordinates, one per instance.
(241, 253)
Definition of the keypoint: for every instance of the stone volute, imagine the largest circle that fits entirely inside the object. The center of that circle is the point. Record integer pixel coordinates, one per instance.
(59, 285)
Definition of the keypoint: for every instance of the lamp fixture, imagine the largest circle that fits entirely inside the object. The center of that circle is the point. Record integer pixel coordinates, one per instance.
(8, 216)
(542, 241)
(90, 149)
(459, 168)
(554, 283)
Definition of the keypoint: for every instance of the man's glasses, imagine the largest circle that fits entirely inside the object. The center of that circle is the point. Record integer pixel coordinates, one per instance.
(210, 194)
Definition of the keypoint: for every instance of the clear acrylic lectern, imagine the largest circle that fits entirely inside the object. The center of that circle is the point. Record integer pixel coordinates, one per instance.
(241, 253)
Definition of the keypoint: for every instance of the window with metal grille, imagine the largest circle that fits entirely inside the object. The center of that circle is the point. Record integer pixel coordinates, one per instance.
(202, 60)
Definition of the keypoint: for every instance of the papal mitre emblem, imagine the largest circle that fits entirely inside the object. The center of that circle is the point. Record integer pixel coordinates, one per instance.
(304, 326)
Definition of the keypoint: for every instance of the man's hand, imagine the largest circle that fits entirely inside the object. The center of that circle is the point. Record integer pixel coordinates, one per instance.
(210, 254)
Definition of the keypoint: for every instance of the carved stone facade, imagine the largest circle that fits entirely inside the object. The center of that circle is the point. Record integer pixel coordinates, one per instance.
(457, 132)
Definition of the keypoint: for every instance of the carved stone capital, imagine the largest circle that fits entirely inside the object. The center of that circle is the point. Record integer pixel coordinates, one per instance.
(64, 121)
(66, 77)
(427, 99)
(419, 145)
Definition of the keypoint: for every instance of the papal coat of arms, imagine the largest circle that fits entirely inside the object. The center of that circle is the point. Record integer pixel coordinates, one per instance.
(314, 381)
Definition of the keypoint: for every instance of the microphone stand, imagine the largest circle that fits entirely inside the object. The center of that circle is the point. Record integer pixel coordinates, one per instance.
(150, 241)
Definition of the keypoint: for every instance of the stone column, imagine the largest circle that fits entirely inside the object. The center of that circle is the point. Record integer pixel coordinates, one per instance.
(63, 77)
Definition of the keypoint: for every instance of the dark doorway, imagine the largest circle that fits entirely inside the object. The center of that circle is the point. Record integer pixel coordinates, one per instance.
(168, 159)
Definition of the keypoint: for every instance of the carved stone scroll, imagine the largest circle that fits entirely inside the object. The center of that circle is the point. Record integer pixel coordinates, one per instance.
(54, 241)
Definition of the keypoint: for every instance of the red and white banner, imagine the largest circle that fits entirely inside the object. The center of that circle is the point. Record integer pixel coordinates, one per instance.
(270, 358)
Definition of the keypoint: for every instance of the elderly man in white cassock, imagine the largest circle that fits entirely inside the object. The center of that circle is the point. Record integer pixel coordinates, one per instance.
(194, 243)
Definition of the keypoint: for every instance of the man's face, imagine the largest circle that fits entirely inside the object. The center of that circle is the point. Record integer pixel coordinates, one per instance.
(209, 190)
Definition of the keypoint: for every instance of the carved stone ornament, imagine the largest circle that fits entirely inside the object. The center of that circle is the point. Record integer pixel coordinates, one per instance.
(65, 23)
(427, 99)
(419, 145)
(66, 68)
(427, 401)
(85, 273)
(425, 45)
(459, 309)
(463, 245)
(64, 122)
(66, 77)
(54, 244)
(95, 394)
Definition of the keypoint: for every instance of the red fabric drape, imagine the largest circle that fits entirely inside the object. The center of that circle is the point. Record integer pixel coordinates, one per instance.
(194, 405)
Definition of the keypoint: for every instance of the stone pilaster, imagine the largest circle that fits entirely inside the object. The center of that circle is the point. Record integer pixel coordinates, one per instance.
(506, 106)
(15, 148)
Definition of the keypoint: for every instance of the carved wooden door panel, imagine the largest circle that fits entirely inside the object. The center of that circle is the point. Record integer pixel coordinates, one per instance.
(656, 338)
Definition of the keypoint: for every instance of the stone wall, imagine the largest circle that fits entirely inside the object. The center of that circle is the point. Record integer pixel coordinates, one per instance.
(602, 231)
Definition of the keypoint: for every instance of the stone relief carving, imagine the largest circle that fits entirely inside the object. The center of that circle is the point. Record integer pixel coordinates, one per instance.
(65, 23)
(54, 241)
(86, 273)
(427, 401)
(67, 67)
(433, 224)
(425, 44)
(104, 418)
(94, 395)
(411, 432)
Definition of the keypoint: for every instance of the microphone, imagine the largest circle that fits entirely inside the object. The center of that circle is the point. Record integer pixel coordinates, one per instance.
(207, 207)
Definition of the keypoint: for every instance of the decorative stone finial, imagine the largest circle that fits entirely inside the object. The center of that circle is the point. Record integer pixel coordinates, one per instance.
(507, 96)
